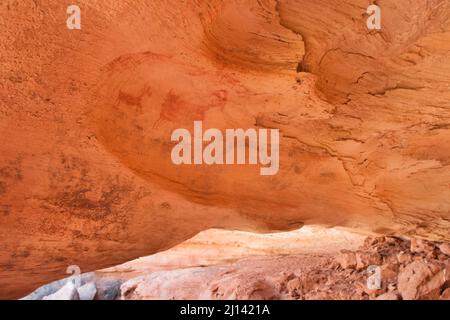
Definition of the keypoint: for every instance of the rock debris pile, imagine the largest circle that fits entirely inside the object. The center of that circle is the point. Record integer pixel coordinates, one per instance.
(406, 269)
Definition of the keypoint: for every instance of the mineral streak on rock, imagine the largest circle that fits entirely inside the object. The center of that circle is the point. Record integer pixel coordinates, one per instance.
(86, 116)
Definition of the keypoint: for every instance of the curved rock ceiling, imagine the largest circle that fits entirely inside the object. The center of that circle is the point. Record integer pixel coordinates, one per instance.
(86, 117)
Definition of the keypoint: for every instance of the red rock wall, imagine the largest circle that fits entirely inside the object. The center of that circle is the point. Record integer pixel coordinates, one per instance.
(86, 117)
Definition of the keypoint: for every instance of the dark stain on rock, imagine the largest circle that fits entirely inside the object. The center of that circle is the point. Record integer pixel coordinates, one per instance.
(10, 174)
(77, 191)
(79, 204)
(2, 188)
(165, 205)
(5, 210)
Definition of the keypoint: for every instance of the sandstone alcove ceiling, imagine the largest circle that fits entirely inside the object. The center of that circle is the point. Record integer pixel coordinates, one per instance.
(86, 116)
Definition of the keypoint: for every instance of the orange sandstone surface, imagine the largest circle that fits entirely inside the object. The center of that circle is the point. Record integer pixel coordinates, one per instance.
(86, 116)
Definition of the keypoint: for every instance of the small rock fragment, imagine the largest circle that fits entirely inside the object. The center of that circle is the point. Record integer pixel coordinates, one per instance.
(108, 289)
(446, 294)
(389, 274)
(445, 248)
(420, 280)
(87, 291)
(347, 259)
(388, 296)
(67, 292)
(366, 259)
(404, 257)
(294, 285)
(421, 246)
